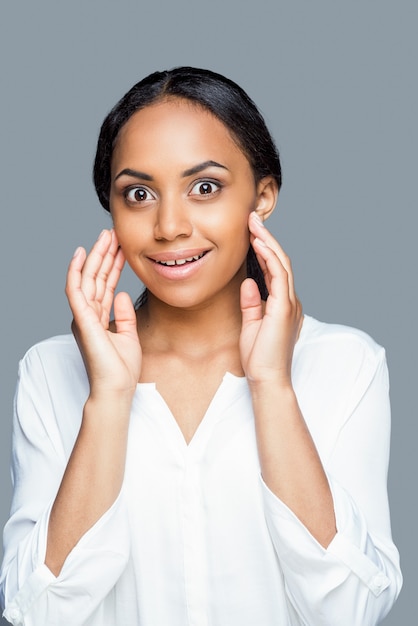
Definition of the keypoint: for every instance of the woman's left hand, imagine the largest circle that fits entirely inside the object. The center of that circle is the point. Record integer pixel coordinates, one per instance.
(269, 330)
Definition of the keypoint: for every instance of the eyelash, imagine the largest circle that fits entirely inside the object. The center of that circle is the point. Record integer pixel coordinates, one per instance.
(127, 193)
(207, 181)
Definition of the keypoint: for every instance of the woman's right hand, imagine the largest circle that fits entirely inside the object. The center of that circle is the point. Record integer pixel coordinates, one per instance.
(112, 359)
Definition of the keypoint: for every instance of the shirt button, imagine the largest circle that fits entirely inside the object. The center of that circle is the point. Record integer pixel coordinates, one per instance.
(379, 582)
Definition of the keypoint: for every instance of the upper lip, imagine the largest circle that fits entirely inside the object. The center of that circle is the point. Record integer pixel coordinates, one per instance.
(177, 255)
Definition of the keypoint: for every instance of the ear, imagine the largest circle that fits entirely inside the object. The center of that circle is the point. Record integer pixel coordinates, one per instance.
(267, 192)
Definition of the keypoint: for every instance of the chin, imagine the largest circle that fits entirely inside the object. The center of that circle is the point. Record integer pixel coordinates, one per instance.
(185, 299)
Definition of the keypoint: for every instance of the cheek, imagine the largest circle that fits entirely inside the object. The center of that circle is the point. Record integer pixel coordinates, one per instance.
(130, 237)
(235, 240)
(233, 210)
(235, 219)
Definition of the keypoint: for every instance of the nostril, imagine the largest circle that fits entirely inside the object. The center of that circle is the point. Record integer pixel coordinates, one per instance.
(171, 228)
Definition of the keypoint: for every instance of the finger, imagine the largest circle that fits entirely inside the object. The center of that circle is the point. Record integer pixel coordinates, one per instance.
(73, 291)
(106, 268)
(113, 279)
(95, 267)
(279, 287)
(82, 312)
(260, 232)
(258, 229)
(125, 317)
(263, 265)
(251, 304)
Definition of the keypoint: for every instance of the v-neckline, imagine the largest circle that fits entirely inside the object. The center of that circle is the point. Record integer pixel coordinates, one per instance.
(167, 423)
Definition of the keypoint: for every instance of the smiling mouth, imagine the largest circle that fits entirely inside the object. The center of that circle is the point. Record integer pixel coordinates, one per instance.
(190, 259)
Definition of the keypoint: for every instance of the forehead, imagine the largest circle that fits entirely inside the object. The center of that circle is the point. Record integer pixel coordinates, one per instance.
(179, 128)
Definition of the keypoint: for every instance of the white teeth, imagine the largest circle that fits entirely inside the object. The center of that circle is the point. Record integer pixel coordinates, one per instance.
(181, 261)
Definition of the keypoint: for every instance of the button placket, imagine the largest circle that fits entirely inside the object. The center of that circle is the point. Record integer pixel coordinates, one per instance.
(195, 566)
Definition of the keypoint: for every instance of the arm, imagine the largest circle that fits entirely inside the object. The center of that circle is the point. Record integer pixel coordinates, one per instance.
(357, 568)
(94, 474)
(360, 567)
(290, 463)
(47, 416)
(86, 524)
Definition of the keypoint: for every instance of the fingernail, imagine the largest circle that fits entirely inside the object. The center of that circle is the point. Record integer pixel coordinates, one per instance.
(101, 234)
(77, 252)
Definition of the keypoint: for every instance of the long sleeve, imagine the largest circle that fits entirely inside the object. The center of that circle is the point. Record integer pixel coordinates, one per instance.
(355, 581)
(31, 594)
(194, 536)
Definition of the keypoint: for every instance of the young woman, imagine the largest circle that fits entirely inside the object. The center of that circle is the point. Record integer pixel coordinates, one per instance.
(211, 457)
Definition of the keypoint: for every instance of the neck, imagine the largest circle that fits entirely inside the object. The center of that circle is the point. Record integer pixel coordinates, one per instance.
(202, 329)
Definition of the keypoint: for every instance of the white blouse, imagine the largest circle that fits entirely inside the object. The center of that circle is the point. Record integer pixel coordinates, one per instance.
(195, 537)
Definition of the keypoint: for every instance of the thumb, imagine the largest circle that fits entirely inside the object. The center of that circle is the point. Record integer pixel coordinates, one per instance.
(125, 318)
(251, 305)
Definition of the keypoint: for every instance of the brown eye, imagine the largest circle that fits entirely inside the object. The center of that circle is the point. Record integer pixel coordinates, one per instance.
(205, 188)
(138, 194)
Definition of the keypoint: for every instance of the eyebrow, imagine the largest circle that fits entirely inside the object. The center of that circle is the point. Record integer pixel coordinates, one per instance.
(189, 172)
(202, 166)
(128, 172)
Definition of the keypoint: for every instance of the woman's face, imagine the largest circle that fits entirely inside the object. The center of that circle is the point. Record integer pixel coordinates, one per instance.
(181, 192)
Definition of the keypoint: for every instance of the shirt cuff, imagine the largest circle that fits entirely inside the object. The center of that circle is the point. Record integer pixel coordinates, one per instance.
(351, 547)
(89, 571)
(28, 594)
(352, 544)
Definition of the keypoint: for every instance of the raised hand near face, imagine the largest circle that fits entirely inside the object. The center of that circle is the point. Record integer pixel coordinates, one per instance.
(289, 462)
(269, 330)
(112, 359)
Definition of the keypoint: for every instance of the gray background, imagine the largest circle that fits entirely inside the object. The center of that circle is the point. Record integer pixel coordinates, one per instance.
(337, 84)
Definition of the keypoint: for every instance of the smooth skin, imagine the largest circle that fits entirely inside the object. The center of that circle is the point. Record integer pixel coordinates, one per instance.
(181, 185)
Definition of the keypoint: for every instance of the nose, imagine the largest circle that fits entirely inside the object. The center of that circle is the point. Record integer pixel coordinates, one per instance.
(172, 221)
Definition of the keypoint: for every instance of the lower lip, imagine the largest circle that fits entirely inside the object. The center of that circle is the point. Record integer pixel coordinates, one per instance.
(179, 272)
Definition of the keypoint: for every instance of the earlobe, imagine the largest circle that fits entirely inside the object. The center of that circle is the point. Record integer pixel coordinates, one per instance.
(267, 192)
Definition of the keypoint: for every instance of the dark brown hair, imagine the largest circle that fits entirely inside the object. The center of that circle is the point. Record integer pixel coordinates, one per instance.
(224, 99)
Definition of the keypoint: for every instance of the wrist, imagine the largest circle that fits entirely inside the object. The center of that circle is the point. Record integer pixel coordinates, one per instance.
(108, 404)
(277, 381)
(271, 393)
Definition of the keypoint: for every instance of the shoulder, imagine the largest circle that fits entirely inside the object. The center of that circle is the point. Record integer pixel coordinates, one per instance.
(51, 391)
(334, 369)
(337, 338)
(52, 375)
(59, 345)
(54, 357)
(338, 355)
